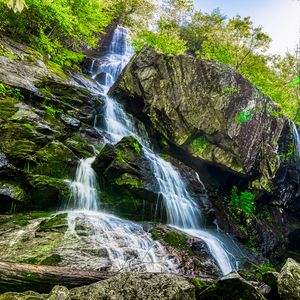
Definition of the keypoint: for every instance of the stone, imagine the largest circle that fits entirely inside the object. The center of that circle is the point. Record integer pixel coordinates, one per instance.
(231, 286)
(135, 286)
(208, 111)
(59, 293)
(289, 280)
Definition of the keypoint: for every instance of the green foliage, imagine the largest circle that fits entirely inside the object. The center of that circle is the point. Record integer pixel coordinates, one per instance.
(237, 43)
(199, 143)
(40, 214)
(58, 28)
(167, 40)
(137, 147)
(6, 90)
(241, 204)
(244, 116)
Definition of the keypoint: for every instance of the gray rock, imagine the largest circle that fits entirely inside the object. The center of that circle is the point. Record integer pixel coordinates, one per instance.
(134, 286)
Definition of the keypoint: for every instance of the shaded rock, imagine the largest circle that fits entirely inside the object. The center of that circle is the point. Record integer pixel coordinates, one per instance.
(289, 280)
(5, 166)
(231, 286)
(137, 286)
(11, 192)
(127, 179)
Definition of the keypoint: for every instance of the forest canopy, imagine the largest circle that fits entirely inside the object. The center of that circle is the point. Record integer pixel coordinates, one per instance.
(61, 29)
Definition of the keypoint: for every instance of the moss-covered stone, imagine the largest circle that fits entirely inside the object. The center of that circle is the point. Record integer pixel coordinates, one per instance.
(58, 221)
(56, 160)
(79, 146)
(48, 191)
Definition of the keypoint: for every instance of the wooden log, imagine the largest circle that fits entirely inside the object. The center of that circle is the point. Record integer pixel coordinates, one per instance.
(19, 277)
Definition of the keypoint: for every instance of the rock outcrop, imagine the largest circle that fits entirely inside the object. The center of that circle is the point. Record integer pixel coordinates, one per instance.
(210, 112)
(45, 128)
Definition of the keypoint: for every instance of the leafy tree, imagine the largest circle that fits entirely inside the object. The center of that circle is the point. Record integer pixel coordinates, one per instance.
(177, 10)
(167, 40)
(55, 28)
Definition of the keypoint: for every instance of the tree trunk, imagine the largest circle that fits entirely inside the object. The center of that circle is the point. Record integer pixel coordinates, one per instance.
(19, 277)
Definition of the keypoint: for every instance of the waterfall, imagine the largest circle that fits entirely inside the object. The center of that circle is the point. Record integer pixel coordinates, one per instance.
(182, 211)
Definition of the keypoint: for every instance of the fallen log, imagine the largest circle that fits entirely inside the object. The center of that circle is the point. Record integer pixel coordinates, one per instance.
(19, 277)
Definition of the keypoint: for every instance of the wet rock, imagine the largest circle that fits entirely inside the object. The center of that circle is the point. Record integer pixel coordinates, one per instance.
(128, 179)
(192, 254)
(289, 280)
(137, 286)
(23, 296)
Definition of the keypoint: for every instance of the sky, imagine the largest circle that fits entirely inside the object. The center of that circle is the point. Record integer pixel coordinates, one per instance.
(279, 18)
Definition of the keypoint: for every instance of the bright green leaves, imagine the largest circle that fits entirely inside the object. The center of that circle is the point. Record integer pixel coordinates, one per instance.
(244, 116)
(52, 26)
(241, 204)
(295, 81)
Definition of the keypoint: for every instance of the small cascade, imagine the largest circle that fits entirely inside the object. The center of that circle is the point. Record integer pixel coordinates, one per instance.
(182, 211)
(106, 242)
(84, 187)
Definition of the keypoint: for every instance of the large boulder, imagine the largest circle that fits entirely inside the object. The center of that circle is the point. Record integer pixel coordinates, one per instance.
(126, 180)
(210, 112)
(137, 286)
(289, 280)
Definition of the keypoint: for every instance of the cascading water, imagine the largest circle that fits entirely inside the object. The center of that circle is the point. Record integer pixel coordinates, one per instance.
(182, 211)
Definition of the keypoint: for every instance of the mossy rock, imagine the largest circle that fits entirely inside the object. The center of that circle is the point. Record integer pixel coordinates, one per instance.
(56, 160)
(79, 146)
(58, 222)
(172, 238)
(48, 191)
(231, 287)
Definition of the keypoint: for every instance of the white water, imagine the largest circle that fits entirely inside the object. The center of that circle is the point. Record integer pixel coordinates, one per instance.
(182, 211)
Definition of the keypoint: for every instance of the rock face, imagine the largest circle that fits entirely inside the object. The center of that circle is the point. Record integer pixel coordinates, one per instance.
(207, 110)
(45, 128)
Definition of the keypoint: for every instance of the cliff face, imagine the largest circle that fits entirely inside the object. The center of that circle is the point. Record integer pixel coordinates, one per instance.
(44, 128)
(210, 112)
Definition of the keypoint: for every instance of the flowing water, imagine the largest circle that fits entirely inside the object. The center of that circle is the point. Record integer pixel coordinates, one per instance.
(182, 211)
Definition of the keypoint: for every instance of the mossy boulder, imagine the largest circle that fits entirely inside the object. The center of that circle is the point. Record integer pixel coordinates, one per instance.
(12, 194)
(208, 113)
(56, 160)
(289, 280)
(137, 286)
(125, 178)
(192, 253)
(231, 286)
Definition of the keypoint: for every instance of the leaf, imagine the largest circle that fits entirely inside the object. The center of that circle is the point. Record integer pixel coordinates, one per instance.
(20, 5)
(295, 81)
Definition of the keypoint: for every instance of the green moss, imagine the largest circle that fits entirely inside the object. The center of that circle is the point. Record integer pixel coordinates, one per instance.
(172, 238)
(55, 160)
(7, 107)
(7, 53)
(57, 221)
(156, 234)
(6, 90)
(231, 90)
(200, 285)
(21, 222)
(54, 68)
(28, 126)
(40, 214)
(79, 146)
(128, 179)
(137, 147)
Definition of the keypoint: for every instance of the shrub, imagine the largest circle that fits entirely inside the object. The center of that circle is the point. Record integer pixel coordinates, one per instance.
(241, 204)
